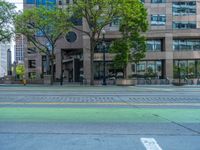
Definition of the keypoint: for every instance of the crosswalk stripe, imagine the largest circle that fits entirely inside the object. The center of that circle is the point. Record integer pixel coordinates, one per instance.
(150, 144)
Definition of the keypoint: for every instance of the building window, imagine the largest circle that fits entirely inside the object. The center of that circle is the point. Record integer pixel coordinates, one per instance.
(158, 1)
(186, 45)
(31, 64)
(184, 8)
(115, 22)
(30, 1)
(184, 25)
(44, 64)
(99, 47)
(76, 21)
(158, 20)
(154, 45)
(32, 75)
(39, 34)
(186, 69)
(142, 1)
(98, 70)
(31, 50)
(59, 2)
(71, 37)
(152, 69)
(46, 2)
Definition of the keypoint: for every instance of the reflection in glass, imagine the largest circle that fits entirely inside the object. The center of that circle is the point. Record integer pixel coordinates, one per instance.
(186, 68)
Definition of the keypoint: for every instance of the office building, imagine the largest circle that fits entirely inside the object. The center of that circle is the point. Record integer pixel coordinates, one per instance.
(19, 49)
(4, 50)
(173, 45)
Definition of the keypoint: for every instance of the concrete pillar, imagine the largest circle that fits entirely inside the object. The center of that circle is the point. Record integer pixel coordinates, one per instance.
(58, 63)
(169, 55)
(169, 68)
(38, 61)
(86, 59)
(129, 69)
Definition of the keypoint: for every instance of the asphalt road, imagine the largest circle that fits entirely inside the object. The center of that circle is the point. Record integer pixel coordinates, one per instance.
(99, 118)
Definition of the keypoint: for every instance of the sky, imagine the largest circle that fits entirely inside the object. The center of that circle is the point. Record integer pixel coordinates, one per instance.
(19, 5)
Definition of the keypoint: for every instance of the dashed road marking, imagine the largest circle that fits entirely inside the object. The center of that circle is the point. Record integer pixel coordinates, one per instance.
(99, 103)
(150, 144)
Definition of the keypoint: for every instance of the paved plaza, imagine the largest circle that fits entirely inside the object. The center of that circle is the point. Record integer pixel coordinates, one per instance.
(72, 117)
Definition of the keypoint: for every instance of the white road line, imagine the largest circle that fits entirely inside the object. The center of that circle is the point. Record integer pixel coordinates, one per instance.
(150, 144)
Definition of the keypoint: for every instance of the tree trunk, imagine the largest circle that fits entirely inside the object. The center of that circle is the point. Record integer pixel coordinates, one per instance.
(125, 72)
(47, 65)
(52, 70)
(52, 66)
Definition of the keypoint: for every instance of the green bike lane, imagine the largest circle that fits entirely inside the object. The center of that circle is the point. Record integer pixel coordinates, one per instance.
(99, 115)
(98, 128)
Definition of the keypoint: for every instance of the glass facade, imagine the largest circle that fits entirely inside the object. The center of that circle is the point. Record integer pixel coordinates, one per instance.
(184, 25)
(154, 45)
(158, 20)
(186, 69)
(98, 70)
(116, 22)
(184, 8)
(32, 75)
(31, 63)
(158, 1)
(76, 21)
(142, 1)
(45, 2)
(99, 47)
(152, 69)
(71, 37)
(186, 45)
(30, 1)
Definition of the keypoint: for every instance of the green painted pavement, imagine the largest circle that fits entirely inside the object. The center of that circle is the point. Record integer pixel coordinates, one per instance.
(99, 115)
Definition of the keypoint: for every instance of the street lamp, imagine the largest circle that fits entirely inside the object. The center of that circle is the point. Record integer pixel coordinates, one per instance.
(179, 72)
(104, 57)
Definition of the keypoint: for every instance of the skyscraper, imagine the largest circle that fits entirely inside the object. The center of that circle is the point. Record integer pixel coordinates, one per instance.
(4, 47)
(19, 49)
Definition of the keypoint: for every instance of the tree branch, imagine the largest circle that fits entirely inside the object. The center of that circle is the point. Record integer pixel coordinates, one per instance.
(81, 30)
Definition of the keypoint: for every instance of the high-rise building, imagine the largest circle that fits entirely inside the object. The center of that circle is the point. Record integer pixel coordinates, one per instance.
(4, 47)
(9, 62)
(173, 45)
(19, 49)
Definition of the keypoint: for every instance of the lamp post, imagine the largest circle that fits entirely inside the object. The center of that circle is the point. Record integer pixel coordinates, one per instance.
(104, 57)
(179, 73)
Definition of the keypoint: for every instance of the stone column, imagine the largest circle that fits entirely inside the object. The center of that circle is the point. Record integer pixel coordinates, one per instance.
(38, 65)
(58, 63)
(129, 69)
(169, 55)
(86, 59)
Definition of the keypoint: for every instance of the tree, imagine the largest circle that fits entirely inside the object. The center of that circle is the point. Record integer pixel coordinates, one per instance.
(43, 27)
(97, 14)
(7, 13)
(128, 49)
(131, 47)
(20, 70)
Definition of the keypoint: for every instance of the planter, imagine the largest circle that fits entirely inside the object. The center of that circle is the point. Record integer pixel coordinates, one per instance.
(178, 84)
(125, 82)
